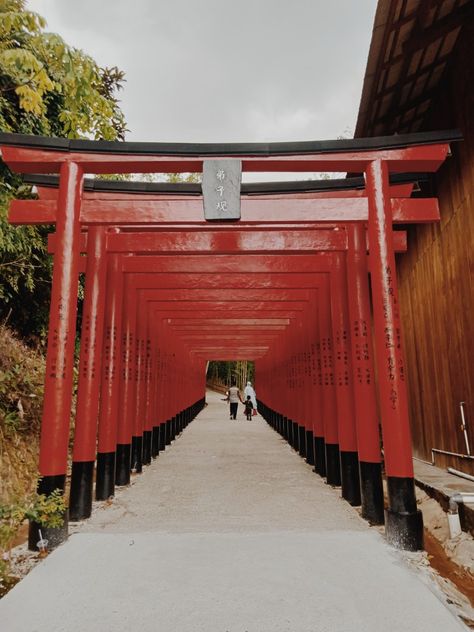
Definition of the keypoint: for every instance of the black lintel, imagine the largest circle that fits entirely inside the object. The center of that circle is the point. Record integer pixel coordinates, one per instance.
(374, 143)
(249, 188)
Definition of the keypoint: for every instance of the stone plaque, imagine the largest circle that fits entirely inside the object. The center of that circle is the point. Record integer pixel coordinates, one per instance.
(221, 189)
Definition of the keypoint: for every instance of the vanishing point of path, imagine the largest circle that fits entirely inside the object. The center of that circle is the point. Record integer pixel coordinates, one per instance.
(227, 531)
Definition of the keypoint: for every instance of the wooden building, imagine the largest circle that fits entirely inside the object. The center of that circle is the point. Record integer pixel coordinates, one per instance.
(420, 77)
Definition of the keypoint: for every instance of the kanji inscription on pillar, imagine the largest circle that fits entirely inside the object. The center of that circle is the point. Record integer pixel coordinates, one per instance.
(221, 180)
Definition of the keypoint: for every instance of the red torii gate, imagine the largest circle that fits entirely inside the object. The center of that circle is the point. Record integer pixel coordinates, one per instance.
(324, 240)
(332, 240)
(375, 157)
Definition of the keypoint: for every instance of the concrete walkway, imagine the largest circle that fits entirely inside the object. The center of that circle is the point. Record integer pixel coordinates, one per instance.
(227, 531)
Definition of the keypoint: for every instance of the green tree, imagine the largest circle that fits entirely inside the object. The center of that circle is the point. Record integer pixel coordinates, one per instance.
(47, 88)
(193, 178)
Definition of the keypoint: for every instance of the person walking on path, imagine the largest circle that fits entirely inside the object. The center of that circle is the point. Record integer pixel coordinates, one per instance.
(249, 390)
(233, 397)
(248, 408)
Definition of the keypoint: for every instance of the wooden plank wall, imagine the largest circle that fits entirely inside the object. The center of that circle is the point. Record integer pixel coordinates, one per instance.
(436, 279)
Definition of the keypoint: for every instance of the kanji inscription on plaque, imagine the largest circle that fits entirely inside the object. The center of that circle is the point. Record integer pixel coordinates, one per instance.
(221, 180)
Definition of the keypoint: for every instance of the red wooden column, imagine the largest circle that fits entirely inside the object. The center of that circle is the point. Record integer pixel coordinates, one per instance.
(315, 404)
(288, 393)
(109, 396)
(60, 351)
(137, 423)
(311, 398)
(153, 392)
(331, 466)
(304, 388)
(368, 440)
(132, 305)
(150, 413)
(276, 387)
(300, 391)
(160, 403)
(350, 486)
(319, 432)
(141, 380)
(166, 397)
(85, 435)
(124, 422)
(404, 523)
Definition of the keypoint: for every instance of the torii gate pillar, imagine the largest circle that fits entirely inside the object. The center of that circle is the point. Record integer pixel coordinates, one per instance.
(403, 521)
(60, 351)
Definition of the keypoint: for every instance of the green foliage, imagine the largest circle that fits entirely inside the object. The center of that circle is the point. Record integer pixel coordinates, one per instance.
(25, 269)
(194, 178)
(21, 386)
(222, 372)
(49, 88)
(48, 511)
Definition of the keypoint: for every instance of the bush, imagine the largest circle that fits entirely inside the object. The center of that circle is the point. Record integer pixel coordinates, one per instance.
(47, 511)
(21, 400)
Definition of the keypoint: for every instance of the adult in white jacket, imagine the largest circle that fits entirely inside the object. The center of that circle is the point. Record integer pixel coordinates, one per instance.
(249, 390)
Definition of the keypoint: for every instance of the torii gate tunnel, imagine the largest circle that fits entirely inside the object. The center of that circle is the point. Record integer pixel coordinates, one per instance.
(286, 285)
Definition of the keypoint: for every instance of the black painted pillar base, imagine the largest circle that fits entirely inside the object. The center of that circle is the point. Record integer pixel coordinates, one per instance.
(123, 458)
(291, 433)
(320, 456)
(80, 497)
(302, 441)
(105, 475)
(286, 428)
(155, 442)
(162, 436)
(333, 467)
(350, 484)
(55, 535)
(295, 436)
(146, 452)
(176, 424)
(371, 489)
(403, 521)
(137, 455)
(168, 431)
(404, 530)
(309, 447)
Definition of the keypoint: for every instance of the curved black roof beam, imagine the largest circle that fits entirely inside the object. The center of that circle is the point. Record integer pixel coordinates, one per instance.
(248, 188)
(230, 149)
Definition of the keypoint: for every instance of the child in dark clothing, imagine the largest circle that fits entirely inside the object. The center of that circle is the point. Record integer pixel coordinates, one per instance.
(248, 408)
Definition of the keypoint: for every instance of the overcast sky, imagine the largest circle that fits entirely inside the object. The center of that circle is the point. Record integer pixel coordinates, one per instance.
(226, 70)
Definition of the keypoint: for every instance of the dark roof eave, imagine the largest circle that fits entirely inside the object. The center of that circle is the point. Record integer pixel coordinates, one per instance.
(253, 188)
(229, 149)
(378, 32)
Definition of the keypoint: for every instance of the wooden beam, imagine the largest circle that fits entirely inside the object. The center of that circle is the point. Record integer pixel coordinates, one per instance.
(417, 210)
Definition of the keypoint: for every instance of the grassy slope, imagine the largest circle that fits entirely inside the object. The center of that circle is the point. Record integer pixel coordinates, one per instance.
(21, 395)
